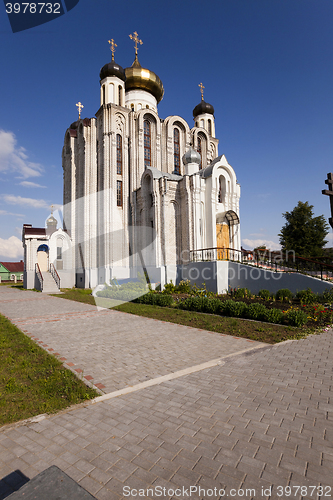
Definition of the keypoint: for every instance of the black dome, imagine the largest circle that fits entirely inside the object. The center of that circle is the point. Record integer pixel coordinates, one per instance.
(202, 108)
(112, 69)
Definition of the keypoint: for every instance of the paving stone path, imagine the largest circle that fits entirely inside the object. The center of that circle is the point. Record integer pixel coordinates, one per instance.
(257, 425)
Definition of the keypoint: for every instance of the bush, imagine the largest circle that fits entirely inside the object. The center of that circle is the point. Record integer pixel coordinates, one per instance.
(296, 317)
(201, 304)
(326, 296)
(233, 308)
(184, 287)
(274, 316)
(284, 294)
(169, 288)
(242, 293)
(264, 294)
(257, 311)
(307, 296)
(157, 299)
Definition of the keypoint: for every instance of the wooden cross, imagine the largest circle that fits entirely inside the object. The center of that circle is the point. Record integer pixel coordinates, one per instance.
(136, 40)
(201, 90)
(79, 106)
(329, 193)
(112, 47)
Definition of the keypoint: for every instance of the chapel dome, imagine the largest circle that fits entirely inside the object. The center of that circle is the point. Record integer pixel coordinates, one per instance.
(139, 78)
(191, 156)
(202, 108)
(51, 221)
(112, 69)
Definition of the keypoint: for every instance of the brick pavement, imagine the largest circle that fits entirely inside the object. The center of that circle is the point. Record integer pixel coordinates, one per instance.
(263, 419)
(113, 349)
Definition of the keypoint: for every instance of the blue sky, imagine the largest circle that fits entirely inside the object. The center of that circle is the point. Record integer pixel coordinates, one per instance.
(266, 66)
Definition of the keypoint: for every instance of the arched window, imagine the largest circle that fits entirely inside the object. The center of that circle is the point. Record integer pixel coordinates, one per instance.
(199, 151)
(119, 155)
(176, 151)
(210, 127)
(147, 142)
(119, 95)
(222, 189)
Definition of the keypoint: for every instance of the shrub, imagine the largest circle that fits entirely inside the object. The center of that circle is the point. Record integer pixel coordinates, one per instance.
(184, 287)
(296, 317)
(274, 315)
(242, 293)
(157, 299)
(307, 296)
(169, 288)
(162, 300)
(326, 296)
(233, 308)
(257, 311)
(284, 294)
(264, 294)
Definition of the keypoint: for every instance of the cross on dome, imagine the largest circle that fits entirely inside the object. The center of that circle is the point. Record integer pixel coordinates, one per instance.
(137, 40)
(113, 46)
(201, 90)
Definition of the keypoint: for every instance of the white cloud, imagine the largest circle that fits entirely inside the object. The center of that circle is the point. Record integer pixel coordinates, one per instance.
(11, 248)
(29, 184)
(251, 244)
(27, 202)
(4, 212)
(14, 159)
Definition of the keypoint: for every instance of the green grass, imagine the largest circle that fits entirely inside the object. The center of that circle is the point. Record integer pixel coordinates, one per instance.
(31, 380)
(253, 330)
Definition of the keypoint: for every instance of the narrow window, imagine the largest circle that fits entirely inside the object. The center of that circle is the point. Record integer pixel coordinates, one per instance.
(119, 155)
(176, 151)
(210, 127)
(59, 253)
(199, 151)
(119, 95)
(119, 194)
(147, 143)
(103, 94)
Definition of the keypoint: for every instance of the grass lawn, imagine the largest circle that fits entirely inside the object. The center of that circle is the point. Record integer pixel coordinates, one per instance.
(253, 330)
(31, 380)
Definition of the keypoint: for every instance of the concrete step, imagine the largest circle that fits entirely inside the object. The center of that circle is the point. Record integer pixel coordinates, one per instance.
(49, 284)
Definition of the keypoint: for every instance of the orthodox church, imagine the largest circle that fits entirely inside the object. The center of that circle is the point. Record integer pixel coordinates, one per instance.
(142, 191)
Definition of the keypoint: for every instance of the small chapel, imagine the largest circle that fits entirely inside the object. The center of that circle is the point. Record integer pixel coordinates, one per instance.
(141, 191)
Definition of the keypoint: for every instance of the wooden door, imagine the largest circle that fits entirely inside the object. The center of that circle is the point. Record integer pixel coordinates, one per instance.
(42, 261)
(222, 241)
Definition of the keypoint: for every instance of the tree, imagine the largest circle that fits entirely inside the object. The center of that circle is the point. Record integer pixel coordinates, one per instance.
(303, 233)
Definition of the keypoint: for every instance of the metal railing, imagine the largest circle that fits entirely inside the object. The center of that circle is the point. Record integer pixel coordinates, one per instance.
(272, 261)
(39, 276)
(55, 275)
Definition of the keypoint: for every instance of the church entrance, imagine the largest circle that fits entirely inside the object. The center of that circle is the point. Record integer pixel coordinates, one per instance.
(222, 241)
(42, 257)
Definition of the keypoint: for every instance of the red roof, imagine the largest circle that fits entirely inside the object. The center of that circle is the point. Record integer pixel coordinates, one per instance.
(34, 230)
(14, 267)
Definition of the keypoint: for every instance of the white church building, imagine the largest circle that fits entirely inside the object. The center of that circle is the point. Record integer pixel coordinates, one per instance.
(141, 191)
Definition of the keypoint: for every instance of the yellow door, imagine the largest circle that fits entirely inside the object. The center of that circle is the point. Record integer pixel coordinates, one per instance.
(42, 261)
(222, 241)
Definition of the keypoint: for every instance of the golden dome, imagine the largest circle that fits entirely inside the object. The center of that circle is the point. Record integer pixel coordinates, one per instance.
(138, 77)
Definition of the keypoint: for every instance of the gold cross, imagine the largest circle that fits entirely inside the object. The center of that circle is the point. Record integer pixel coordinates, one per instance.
(51, 209)
(201, 90)
(79, 106)
(113, 47)
(136, 40)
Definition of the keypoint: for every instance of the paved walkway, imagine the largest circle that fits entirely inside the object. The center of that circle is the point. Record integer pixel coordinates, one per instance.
(251, 425)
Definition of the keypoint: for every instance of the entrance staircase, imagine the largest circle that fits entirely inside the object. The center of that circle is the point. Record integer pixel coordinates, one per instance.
(49, 284)
(47, 281)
